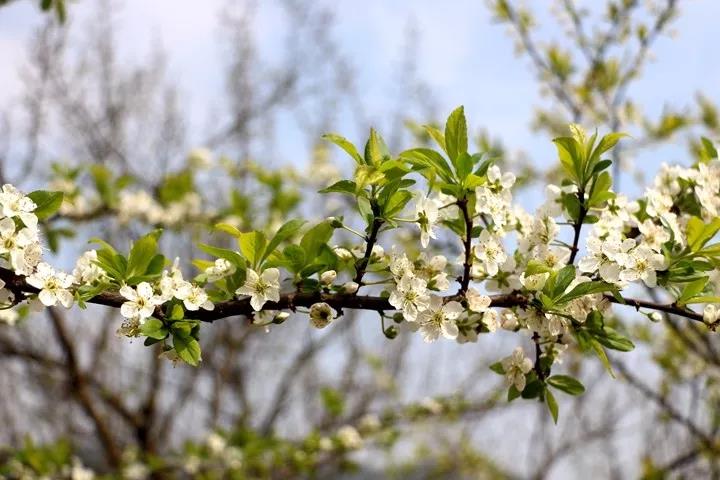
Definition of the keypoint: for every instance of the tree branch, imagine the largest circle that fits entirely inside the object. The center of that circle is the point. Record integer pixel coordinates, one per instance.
(290, 301)
(467, 244)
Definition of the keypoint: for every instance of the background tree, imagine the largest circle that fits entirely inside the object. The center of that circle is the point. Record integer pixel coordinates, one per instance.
(129, 125)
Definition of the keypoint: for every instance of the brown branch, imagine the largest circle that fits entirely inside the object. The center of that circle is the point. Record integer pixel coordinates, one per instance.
(467, 244)
(362, 264)
(577, 228)
(290, 301)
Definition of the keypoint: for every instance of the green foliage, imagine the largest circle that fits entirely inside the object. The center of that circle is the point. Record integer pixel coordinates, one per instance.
(47, 203)
(566, 384)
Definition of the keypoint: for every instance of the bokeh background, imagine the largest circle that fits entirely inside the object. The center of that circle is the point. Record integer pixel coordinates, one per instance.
(134, 85)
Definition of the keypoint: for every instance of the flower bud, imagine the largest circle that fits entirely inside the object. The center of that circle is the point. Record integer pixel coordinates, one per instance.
(350, 287)
(343, 253)
(321, 314)
(391, 332)
(327, 278)
(534, 282)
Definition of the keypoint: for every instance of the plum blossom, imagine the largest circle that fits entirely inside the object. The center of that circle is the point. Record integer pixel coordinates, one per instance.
(261, 287)
(490, 252)
(15, 204)
(141, 301)
(220, 269)
(410, 296)
(643, 263)
(426, 210)
(54, 286)
(476, 301)
(439, 319)
(516, 366)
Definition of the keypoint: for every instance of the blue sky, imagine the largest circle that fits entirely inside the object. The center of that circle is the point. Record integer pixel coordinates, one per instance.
(463, 56)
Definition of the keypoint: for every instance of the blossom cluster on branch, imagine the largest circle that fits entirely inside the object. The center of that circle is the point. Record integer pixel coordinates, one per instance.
(516, 271)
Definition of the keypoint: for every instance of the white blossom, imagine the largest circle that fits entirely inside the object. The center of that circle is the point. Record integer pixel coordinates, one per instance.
(490, 252)
(196, 298)
(54, 286)
(516, 366)
(426, 210)
(86, 271)
(141, 301)
(220, 269)
(261, 288)
(642, 264)
(410, 296)
(439, 319)
(15, 204)
(477, 302)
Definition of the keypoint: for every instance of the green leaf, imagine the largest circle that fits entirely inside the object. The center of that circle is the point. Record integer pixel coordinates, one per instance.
(252, 246)
(692, 289)
(333, 401)
(187, 348)
(562, 281)
(552, 405)
(566, 384)
(141, 254)
(497, 367)
(368, 175)
(343, 186)
(512, 393)
(227, 228)
(613, 340)
(699, 233)
(571, 157)
(600, 352)
(375, 149)
(346, 145)
(47, 203)
(586, 288)
(294, 258)
(154, 328)
(396, 202)
(456, 142)
(607, 142)
(431, 159)
(436, 135)
(230, 255)
(286, 231)
(601, 190)
(315, 238)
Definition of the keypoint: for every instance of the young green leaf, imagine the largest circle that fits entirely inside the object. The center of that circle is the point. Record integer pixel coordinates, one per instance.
(566, 384)
(346, 145)
(187, 348)
(456, 142)
(47, 203)
(552, 405)
(252, 245)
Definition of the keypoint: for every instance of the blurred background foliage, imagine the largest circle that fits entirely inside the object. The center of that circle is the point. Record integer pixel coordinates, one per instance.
(344, 402)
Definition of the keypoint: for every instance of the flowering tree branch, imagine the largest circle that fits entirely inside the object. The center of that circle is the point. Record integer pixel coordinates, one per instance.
(663, 240)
